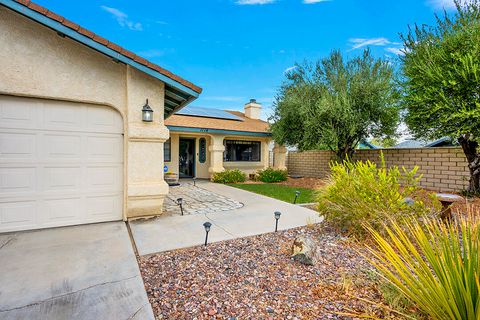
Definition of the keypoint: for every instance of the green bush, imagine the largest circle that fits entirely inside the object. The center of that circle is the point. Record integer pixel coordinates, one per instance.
(270, 175)
(360, 193)
(434, 264)
(229, 176)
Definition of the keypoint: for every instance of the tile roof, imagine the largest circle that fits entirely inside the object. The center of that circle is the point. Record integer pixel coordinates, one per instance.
(69, 24)
(246, 125)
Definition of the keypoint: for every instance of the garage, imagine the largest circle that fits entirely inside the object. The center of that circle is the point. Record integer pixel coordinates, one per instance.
(61, 163)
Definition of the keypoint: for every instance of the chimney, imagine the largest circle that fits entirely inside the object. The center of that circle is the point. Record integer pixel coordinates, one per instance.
(253, 109)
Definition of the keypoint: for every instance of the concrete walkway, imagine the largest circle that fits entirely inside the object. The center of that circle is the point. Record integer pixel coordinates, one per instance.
(81, 272)
(255, 217)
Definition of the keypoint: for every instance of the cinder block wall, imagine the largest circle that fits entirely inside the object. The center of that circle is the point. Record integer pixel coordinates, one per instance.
(443, 169)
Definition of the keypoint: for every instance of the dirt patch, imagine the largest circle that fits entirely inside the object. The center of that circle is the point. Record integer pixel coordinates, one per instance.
(255, 278)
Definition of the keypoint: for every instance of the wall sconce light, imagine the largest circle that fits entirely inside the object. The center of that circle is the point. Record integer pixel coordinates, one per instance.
(147, 113)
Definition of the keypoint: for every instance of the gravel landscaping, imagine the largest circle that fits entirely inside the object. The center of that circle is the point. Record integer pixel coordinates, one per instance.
(256, 278)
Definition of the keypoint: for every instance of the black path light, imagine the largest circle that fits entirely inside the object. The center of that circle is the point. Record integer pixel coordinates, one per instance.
(194, 179)
(180, 203)
(147, 113)
(277, 217)
(207, 225)
(297, 193)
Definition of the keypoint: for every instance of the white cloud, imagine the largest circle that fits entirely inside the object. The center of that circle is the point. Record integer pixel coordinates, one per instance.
(358, 43)
(314, 1)
(250, 2)
(394, 50)
(289, 69)
(442, 4)
(122, 19)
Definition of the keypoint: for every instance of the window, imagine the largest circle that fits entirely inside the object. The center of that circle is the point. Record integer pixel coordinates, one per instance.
(236, 150)
(202, 157)
(167, 153)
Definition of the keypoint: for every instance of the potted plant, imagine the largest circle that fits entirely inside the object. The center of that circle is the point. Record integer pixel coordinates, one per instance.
(171, 178)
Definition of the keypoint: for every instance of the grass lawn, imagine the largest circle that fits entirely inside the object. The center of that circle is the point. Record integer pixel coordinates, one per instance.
(280, 192)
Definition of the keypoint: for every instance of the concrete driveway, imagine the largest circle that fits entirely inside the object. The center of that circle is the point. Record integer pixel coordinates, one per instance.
(255, 217)
(81, 272)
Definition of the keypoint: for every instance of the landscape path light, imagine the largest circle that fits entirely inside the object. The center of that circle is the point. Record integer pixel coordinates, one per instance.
(297, 193)
(207, 225)
(277, 217)
(180, 203)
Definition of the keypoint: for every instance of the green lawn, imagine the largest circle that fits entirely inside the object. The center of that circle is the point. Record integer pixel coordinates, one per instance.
(280, 192)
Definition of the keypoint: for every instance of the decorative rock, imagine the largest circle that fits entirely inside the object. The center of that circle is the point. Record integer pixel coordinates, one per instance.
(304, 250)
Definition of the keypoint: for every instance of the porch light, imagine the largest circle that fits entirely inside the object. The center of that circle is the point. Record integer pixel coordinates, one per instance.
(297, 193)
(207, 225)
(180, 203)
(277, 217)
(147, 113)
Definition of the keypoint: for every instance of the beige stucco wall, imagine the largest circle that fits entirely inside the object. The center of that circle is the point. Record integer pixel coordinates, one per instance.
(36, 62)
(202, 169)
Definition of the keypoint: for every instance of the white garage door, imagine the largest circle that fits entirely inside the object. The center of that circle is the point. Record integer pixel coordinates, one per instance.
(61, 164)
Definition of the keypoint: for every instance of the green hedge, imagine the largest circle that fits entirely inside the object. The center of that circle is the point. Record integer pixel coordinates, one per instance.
(270, 175)
(229, 176)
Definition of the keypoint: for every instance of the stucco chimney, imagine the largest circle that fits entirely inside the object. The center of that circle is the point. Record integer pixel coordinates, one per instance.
(253, 109)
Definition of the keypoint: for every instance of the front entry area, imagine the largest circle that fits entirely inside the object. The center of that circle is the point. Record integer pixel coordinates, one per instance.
(186, 158)
(61, 163)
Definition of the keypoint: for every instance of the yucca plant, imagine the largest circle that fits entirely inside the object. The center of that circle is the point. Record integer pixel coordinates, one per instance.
(435, 265)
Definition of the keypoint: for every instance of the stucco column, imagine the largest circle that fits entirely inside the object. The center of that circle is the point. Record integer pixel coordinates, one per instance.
(216, 150)
(279, 157)
(146, 188)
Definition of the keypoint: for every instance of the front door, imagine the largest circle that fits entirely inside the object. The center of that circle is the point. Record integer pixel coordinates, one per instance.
(187, 158)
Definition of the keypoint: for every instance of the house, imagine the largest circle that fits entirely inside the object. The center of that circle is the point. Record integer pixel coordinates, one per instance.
(74, 147)
(442, 142)
(204, 141)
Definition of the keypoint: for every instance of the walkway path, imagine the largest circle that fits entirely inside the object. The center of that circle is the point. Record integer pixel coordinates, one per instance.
(197, 200)
(254, 217)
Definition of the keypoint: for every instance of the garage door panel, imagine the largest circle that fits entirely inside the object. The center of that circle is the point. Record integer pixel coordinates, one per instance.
(60, 164)
(63, 117)
(103, 120)
(18, 215)
(15, 114)
(101, 148)
(103, 207)
(104, 177)
(62, 210)
(63, 146)
(62, 178)
(18, 180)
(17, 145)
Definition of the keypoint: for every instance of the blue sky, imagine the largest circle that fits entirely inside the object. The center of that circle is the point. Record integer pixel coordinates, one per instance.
(239, 49)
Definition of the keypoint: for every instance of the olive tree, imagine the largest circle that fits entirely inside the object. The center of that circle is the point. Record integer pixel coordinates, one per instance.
(441, 81)
(334, 103)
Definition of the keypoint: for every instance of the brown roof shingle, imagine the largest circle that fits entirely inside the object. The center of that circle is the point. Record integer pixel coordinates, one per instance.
(69, 24)
(248, 125)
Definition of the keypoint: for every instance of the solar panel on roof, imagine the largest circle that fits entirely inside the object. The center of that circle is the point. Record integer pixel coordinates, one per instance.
(208, 113)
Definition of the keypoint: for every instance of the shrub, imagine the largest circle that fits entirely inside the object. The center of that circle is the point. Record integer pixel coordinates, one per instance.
(360, 192)
(270, 175)
(435, 265)
(229, 176)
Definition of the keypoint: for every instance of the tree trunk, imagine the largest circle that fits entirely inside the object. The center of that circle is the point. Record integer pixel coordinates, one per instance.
(345, 153)
(473, 158)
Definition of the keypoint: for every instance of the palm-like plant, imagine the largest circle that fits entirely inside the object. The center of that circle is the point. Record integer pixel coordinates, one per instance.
(433, 264)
